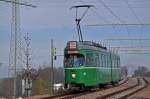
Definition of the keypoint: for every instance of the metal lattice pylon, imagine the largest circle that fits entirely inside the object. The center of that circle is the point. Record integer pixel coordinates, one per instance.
(15, 43)
(15, 55)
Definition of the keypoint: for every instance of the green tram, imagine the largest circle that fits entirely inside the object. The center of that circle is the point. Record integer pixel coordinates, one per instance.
(88, 64)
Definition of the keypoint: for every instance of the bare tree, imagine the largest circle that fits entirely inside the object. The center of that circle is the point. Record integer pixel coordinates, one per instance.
(141, 71)
(124, 71)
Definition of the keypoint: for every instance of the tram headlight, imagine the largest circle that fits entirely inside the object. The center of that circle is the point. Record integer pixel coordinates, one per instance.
(84, 73)
(73, 75)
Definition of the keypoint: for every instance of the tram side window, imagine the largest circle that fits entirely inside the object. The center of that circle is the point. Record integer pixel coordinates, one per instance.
(106, 64)
(103, 60)
(115, 62)
(100, 60)
(118, 64)
(119, 61)
(108, 60)
(74, 60)
(90, 59)
(112, 61)
(97, 60)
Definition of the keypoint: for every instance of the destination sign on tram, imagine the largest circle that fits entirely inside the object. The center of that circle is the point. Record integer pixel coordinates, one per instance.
(72, 45)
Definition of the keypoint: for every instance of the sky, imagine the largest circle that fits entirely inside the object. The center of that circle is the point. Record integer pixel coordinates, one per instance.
(53, 19)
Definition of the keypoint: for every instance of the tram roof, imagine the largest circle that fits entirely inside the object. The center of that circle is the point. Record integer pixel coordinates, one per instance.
(88, 45)
(91, 45)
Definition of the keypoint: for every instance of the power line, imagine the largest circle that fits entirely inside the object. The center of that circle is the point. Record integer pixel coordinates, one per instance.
(96, 13)
(117, 17)
(135, 53)
(20, 3)
(122, 24)
(129, 6)
(124, 39)
(99, 16)
(137, 18)
(103, 3)
(135, 50)
(118, 6)
(131, 47)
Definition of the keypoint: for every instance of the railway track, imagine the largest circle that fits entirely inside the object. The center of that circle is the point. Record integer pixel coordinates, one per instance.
(77, 94)
(144, 93)
(103, 94)
(68, 95)
(124, 94)
(120, 92)
(124, 90)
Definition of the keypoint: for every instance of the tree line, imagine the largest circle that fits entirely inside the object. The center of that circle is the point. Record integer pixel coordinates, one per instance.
(41, 80)
(142, 71)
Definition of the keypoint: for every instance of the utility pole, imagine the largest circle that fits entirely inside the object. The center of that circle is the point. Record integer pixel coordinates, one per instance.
(15, 33)
(52, 69)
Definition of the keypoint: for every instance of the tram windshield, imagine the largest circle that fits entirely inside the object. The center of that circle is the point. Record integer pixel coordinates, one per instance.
(74, 60)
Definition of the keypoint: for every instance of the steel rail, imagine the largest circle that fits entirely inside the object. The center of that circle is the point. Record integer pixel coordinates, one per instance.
(116, 92)
(145, 86)
(138, 86)
(73, 95)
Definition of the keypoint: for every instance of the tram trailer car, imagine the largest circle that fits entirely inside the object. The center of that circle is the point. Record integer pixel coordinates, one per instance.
(88, 64)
